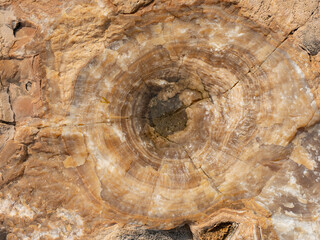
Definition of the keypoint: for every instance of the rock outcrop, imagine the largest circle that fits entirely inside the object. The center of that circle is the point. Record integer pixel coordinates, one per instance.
(159, 119)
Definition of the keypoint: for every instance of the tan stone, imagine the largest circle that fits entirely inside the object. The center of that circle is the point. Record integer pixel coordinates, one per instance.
(9, 70)
(6, 113)
(12, 156)
(159, 119)
(6, 133)
(26, 134)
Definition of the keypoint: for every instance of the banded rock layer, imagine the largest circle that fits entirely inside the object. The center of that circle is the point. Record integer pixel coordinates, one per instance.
(157, 115)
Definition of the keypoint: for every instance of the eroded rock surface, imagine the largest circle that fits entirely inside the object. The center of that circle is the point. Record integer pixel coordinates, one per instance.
(159, 119)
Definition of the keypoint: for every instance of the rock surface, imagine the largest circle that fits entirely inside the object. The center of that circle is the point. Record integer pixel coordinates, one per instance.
(159, 119)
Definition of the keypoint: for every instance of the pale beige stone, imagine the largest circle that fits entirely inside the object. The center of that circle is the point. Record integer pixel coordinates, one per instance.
(6, 113)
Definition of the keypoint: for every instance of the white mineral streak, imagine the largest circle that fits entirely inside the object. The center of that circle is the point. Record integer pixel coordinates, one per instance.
(295, 228)
(68, 227)
(12, 208)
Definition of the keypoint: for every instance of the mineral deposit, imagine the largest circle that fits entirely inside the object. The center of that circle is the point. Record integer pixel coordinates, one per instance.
(154, 119)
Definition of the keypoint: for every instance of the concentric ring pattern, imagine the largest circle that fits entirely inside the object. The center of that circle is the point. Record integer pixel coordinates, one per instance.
(178, 115)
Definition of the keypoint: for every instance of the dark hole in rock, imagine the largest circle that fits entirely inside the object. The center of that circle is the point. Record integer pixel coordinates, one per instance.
(219, 231)
(3, 234)
(25, 27)
(28, 86)
(17, 27)
(167, 117)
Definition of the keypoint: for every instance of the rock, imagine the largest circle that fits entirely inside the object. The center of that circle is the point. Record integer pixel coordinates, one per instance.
(283, 16)
(131, 6)
(148, 119)
(9, 72)
(6, 113)
(12, 156)
(6, 133)
(311, 34)
(182, 233)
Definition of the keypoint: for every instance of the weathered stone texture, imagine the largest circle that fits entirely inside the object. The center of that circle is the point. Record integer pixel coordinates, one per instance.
(154, 119)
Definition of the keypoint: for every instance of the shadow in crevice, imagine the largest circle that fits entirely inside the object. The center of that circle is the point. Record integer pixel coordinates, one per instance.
(179, 233)
(3, 234)
(220, 231)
